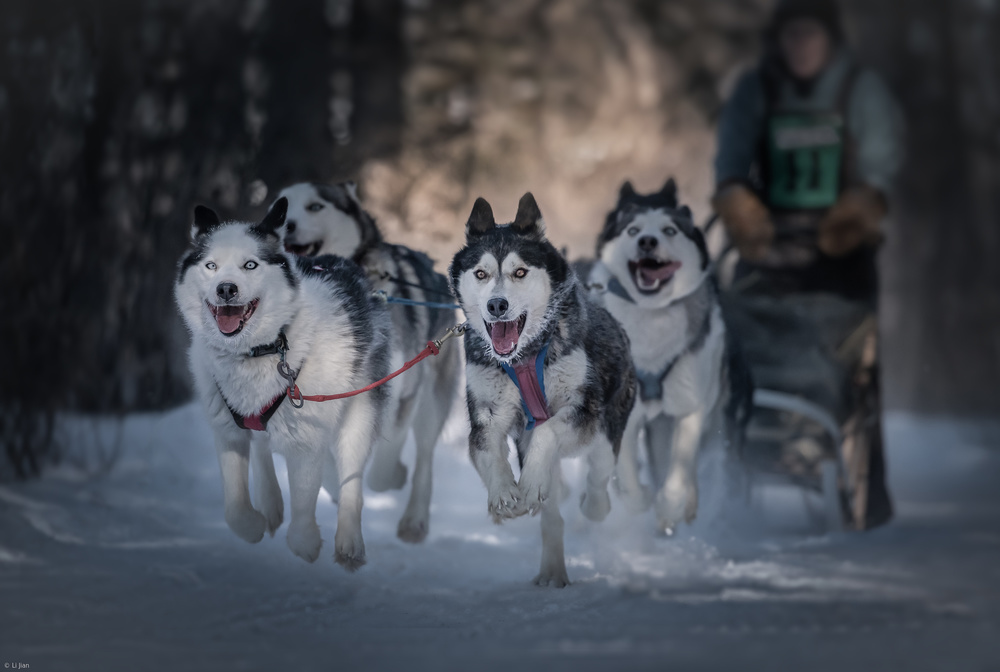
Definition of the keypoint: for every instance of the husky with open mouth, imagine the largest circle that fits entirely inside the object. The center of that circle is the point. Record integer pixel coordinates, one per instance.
(329, 219)
(652, 274)
(249, 306)
(545, 365)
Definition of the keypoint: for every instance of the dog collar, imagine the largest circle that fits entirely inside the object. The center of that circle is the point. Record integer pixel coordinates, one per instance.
(276, 347)
(529, 377)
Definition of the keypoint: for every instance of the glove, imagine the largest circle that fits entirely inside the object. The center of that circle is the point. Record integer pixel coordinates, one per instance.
(853, 221)
(747, 220)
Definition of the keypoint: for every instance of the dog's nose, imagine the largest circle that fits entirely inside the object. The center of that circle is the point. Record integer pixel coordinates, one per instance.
(227, 291)
(647, 243)
(290, 226)
(497, 306)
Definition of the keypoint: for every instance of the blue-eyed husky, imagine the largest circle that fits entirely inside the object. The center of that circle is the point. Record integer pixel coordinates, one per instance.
(249, 305)
(546, 366)
(652, 274)
(329, 219)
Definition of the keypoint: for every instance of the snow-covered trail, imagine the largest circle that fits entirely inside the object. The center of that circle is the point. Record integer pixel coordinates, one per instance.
(137, 571)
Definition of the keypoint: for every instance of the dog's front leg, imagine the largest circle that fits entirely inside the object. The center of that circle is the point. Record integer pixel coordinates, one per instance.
(266, 491)
(535, 484)
(357, 436)
(488, 452)
(633, 493)
(553, 569)
(305, 471)
(677, 500)
(233, 447)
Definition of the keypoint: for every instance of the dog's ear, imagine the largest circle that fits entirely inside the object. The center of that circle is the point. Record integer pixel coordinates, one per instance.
(528, 220)
(205, 220)
(481, 219)
(685, 211)
(669, 192)
(339, 195)
(627, 191)
(274, 219)
(351, 187)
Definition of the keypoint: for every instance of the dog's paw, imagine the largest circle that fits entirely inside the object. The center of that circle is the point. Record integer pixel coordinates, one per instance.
(272, 508)
(413, 527)
(554, 577)
(349, 550)
(503, 501)
(595, 504)
(304, 540)
(533, 491)
(248, 524)
(391, 478)
(677, 502)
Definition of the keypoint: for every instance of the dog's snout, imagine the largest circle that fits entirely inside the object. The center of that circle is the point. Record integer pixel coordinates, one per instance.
(227, 291)
(497, 306)
(290, 226)
(647, 243)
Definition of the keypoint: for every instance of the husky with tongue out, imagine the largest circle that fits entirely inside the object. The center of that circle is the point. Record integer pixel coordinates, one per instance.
(249, 306)
(652, 274)
(544, 365)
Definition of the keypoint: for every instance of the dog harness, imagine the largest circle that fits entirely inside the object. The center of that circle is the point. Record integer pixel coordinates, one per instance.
(258, 421)
(529, 377)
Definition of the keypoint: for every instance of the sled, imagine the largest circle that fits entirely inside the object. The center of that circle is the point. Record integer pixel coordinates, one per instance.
(816, 420)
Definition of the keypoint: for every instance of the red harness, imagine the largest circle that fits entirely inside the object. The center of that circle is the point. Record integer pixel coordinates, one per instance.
(258, 421)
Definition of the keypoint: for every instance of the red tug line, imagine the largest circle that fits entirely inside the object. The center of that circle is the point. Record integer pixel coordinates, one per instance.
(433, 348)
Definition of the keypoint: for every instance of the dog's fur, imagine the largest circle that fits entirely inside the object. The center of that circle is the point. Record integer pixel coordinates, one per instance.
(653, 275)
(339, 339)
(329, 219)
(510, 277)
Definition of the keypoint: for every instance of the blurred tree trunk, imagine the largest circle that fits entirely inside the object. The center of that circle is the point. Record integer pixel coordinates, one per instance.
(941, 308)
(116, 117)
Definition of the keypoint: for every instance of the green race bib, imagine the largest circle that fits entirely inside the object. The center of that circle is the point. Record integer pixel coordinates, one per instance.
(805, 152)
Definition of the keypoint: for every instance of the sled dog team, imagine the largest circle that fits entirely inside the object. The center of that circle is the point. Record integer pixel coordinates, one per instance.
(564, 366)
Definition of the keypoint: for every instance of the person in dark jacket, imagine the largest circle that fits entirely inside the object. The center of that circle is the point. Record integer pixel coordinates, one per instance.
(809, 145)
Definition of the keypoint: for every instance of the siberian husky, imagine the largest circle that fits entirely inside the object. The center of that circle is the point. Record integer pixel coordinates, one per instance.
(329, 219)
(250, 306)
(545, 365)
(652, 274)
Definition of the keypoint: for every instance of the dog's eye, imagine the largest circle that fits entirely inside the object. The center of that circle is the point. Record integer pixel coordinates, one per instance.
(211, 266)
(670, 231)
(633, 231)
(250, 265)
(314, 207)
(480, 274)
(520, 273)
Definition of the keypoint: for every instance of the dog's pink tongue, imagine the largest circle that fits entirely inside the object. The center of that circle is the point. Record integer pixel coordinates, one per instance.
(229, 318)
(661, 273)
(504, 336)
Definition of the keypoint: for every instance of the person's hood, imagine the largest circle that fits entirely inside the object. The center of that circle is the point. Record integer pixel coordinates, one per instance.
(827, 12)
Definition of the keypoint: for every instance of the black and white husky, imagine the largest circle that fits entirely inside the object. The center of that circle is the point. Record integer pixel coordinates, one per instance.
(249, 305)
(545, 365)
(653, 276)
(329, 219)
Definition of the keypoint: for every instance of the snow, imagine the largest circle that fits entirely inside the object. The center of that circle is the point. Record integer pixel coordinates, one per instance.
(135, 569)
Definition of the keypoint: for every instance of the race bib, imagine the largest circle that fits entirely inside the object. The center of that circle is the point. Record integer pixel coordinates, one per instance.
(806, 152)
